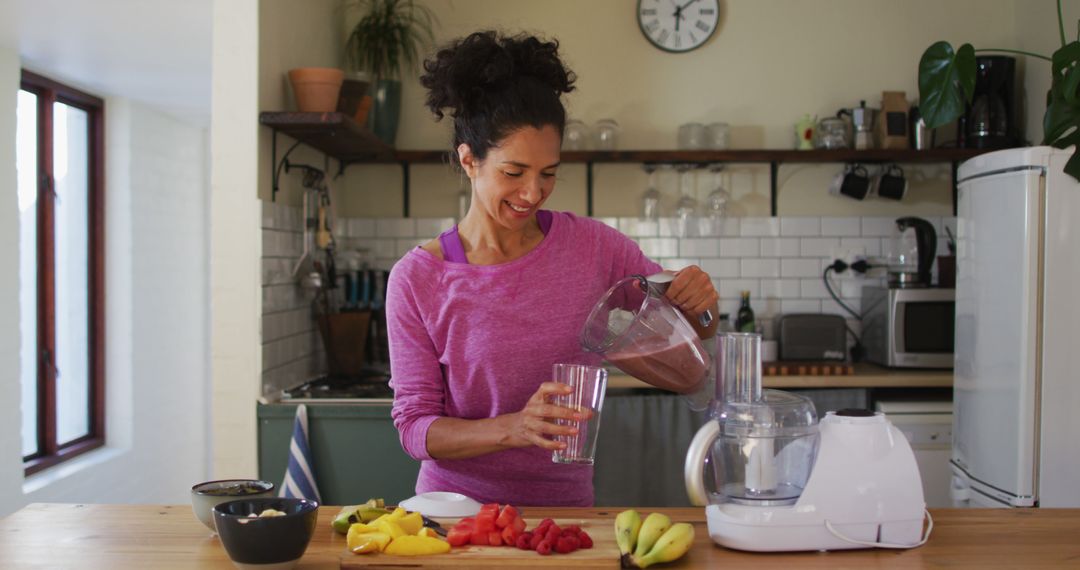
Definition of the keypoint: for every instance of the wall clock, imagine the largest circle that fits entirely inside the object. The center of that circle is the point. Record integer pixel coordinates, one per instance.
(678, 25)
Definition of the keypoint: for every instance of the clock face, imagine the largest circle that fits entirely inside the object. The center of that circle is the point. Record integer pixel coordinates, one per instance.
(678, 25)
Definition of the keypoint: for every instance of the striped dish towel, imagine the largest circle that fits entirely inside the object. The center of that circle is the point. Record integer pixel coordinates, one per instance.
(300, 476)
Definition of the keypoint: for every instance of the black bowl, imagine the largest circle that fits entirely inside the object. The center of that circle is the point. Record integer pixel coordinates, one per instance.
(266, 540)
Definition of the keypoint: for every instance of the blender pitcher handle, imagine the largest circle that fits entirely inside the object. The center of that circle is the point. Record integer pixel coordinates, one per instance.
(694, 469)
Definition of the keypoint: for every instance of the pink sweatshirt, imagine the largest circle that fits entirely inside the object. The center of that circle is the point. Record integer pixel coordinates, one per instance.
(476, 341)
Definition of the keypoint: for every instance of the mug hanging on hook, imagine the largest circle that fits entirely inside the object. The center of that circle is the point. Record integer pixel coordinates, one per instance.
(854, 182)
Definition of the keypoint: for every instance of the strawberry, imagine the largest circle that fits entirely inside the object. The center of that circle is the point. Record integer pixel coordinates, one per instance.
(507, 516)
(586, 540)
(544, 548)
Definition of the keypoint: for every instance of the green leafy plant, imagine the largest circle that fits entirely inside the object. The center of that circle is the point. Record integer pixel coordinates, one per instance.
(947, 83)
(388, 34)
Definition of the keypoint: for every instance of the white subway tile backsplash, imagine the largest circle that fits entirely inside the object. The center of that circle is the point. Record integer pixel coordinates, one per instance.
(430, 228)
(817, 247)
(659, 247)
(701, 247)
(792, 306)
(851, 288)
(871, 246)
(878, 227)
(677, 263)
(800, 227)
(402, 246)
(724, 227)
(609, 222)
(740, 247)
(760, 268)
(395, 227)
(667, 227)
(636, 227)
(362, 228)
(800, 267)
(812, 289)
(780, 288)
(732, 288)
(386, 248)
(841, 227)
(721, 268)
(779, 247)
(829, 306)
(759, 227)
(267, 215)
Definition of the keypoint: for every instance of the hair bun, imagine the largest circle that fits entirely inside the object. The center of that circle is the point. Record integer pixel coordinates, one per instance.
(462, 76)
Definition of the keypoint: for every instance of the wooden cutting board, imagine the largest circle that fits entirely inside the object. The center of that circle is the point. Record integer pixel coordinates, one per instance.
(603, 554)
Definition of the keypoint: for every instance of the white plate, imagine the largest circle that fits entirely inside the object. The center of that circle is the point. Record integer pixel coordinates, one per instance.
(442, 505)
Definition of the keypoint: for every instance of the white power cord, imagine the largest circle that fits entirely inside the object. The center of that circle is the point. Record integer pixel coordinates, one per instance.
(926, 537)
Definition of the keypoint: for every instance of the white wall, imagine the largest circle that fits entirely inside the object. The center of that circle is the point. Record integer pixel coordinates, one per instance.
(156, 314)
(770, 62)
(11, 472)
(1037, 31)
(234, 234)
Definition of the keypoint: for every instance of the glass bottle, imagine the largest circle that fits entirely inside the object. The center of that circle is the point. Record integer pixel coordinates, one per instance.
(744, 319)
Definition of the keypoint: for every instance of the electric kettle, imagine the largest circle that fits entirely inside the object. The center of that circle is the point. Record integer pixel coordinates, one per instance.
(910, 253)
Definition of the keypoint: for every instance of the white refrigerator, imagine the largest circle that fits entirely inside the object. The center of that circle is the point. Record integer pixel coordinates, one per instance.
(1016, 417)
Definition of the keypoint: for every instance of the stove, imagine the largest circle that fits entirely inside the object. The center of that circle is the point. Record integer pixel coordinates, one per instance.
(373, 385)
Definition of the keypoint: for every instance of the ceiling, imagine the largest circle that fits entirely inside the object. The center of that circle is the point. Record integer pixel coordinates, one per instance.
(156, 52)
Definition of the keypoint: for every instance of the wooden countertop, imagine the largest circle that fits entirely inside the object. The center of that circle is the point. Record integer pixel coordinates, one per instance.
(119, 537)
(866, 376)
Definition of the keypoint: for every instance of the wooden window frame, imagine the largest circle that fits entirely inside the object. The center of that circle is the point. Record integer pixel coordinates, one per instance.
(50, 452)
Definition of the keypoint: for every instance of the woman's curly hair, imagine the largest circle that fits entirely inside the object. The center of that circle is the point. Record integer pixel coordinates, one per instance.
(493, 84)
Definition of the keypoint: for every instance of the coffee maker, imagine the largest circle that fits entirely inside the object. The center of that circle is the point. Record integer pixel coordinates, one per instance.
(989, 120)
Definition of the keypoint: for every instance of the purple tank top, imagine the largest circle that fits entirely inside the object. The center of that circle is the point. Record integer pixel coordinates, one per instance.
(454, 251)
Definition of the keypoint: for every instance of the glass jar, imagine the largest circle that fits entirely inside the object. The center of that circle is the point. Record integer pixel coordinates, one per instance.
(575, 134)
(832, 133)
(718, 136)
(691, 136)
(606, 134)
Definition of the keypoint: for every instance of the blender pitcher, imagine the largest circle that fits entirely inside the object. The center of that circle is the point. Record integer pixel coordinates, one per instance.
(759, 445)
(638, 331)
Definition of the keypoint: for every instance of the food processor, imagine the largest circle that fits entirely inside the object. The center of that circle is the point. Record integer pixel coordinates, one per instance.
(774, 478)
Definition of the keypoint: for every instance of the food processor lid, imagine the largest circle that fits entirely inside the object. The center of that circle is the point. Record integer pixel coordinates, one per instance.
(776, 414)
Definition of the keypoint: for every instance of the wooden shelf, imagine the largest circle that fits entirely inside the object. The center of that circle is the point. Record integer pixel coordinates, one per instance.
(341, 138)
(865, 376)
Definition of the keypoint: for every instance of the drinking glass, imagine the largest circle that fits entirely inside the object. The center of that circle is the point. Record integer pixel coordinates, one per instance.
(650, 200)
(588, 384)
(686, 209)
(716, 201)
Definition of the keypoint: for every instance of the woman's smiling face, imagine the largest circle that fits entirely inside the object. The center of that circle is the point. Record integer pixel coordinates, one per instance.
(517, 175)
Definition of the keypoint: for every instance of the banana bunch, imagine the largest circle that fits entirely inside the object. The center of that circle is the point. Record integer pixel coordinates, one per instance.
(653, 541)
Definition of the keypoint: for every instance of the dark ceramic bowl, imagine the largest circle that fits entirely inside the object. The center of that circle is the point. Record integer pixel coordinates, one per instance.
(204, 496)
(261, 542)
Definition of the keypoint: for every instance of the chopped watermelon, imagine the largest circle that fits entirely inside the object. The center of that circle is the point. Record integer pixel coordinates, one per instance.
(506, 517)
(458, 536)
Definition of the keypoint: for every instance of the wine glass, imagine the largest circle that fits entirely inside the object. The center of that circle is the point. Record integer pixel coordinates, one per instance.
(717, 200)
(650, 200)
(686, 208)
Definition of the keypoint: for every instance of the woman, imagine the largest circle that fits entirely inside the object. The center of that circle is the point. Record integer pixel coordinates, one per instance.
(477, 317)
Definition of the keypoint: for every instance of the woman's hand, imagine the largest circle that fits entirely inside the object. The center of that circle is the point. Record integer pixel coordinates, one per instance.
(692, 291)
(533, 424)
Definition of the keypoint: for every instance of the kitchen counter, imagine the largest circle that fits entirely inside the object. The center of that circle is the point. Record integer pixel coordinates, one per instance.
(119, 537)
(865, 376)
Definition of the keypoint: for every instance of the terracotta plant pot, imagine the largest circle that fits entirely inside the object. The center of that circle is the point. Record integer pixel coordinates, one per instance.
(316, 88)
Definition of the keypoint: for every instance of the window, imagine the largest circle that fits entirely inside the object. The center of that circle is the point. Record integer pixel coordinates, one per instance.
(60, 164)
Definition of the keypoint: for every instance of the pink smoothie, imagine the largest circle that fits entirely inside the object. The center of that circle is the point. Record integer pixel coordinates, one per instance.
(677, 368)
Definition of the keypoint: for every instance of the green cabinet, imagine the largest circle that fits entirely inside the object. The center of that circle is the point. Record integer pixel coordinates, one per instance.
(355, 451)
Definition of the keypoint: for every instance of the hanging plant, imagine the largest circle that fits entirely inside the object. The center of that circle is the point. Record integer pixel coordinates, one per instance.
(947, 84)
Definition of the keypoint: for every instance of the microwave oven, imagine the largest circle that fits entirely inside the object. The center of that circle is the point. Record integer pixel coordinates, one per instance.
(909, 328)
